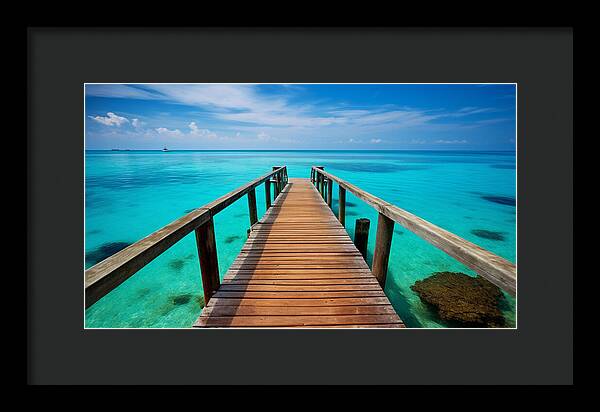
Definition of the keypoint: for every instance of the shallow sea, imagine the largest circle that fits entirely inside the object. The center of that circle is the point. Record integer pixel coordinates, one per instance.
(130, 194)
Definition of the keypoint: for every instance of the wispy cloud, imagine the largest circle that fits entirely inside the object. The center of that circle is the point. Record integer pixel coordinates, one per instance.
(119, 91)
(243, 104)
(462, 141)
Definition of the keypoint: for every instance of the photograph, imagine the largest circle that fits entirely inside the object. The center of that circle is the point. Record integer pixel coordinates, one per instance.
(300, 205)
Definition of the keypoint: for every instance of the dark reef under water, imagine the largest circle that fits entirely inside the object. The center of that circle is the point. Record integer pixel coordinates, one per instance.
(103, 251)
(488, 234)
(374, 167)
(177, 264)
(501, 200)
(231, 239)
(462, 300)
(348, 203)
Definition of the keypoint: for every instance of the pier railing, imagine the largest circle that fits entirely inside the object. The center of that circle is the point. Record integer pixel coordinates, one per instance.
(105, 276)
(494, 268)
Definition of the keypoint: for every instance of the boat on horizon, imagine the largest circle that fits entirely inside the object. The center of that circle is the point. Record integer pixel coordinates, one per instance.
(165, 149)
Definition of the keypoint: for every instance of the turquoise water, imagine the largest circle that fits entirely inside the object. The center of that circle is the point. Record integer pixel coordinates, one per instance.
(131, 194)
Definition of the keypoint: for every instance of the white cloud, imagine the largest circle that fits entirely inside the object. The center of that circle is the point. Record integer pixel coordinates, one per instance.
(196, 131)
(376, 140)
(463, 141)
(418, 141)
(263, 136)
(111, 119)
(136, 123)
(167, 132)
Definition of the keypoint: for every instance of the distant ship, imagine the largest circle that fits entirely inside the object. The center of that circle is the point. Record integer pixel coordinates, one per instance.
(165, 149)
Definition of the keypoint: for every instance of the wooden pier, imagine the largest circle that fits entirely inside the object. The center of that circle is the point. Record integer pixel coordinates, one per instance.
(299, 267)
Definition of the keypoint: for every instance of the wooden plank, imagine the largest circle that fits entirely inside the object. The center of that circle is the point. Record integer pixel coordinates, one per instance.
(239, 280)
(341, 287)
(299, 295)
(282, 321)
(299, 302)
(247, 310)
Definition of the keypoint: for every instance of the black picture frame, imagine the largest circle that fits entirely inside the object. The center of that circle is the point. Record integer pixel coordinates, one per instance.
(61, 60)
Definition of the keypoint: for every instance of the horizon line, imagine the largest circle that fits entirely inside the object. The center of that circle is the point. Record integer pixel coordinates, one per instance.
(305, 150)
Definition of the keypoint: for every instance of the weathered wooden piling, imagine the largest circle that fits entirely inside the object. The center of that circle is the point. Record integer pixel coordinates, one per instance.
(267, 194)
(252, 206)
(361, 235)
(342, 206)
(383, 244)
(207, 254)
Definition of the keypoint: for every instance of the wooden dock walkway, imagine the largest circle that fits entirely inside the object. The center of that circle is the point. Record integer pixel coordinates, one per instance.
(299, 268)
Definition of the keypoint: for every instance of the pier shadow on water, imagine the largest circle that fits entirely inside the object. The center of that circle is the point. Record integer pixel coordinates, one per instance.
(401, 304)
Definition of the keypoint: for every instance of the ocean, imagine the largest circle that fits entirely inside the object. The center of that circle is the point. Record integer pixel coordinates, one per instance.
(130, 194)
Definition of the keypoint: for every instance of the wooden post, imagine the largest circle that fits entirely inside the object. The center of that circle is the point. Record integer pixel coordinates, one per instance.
(207, 253)
(330, 193)
(276, 183)
(280, 180)
(361, 236)
(342, 206)
(323, 185)
(383, 244)
(312, 175)
(252, 206)
(268, 194)
(320, 178)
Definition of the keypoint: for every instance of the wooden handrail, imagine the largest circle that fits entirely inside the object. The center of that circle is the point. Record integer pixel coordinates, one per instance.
(494, 268)
(106, 275)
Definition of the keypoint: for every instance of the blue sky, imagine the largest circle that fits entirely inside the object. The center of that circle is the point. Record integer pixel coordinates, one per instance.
(301, 116)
